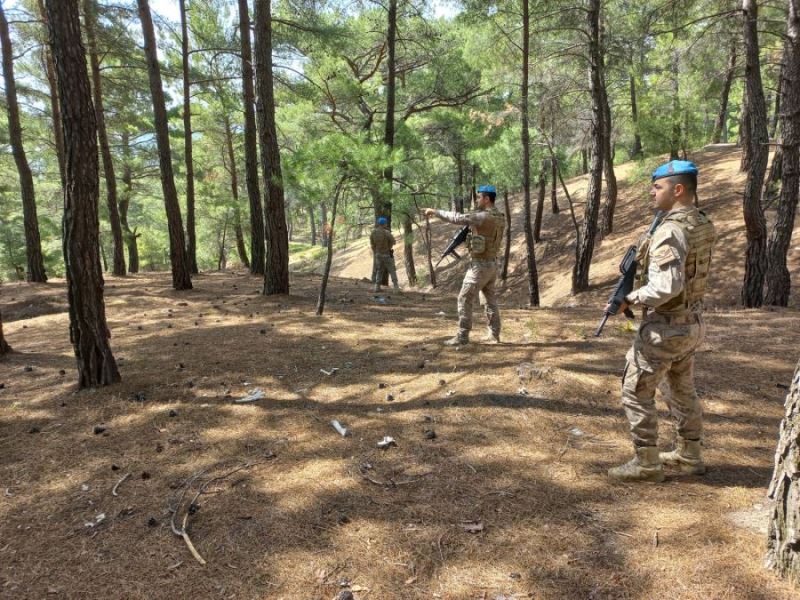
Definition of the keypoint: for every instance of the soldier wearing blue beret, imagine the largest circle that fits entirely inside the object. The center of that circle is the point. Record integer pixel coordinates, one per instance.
(671, 283)
(486, 232)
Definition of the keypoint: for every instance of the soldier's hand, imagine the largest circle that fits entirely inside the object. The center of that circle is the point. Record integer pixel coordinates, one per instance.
(429, 212)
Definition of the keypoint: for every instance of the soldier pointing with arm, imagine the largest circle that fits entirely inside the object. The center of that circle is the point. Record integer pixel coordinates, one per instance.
(675, 265)
(486, 232)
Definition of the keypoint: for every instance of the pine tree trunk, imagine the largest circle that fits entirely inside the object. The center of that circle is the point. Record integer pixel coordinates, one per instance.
(55, 110)
(408, 250)
(608, 164)
(88, 329)
(181, 278)
(533, 276)
(507, 252)
(250, 146)
(329, 255)
(4, 347)
(33, 245)
(124, 205)
(585, 244)
(722, 117)
(323, 224)
(312, 223)
(755, 223)
(537, 220)
(636, 149)
(783, 532)
(675, 138)
(776, 116)
(191, 236)
(90, 12)
(778, 281)
(553, 189)
(237, 213)
(584, 161)
(745, 133)
(276, 271)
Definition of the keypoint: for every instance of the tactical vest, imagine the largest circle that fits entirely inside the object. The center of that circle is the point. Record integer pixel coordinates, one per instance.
(484, 240)
(382, 240)
(700, 235)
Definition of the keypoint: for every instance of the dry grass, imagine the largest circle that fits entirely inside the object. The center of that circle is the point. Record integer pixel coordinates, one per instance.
(319, 510)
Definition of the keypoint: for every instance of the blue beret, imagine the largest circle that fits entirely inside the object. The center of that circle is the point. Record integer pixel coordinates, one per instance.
(675, 167)
(382, 220)
(487, 189)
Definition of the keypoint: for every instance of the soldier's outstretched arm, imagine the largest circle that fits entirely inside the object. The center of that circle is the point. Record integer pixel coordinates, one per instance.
(457, 218)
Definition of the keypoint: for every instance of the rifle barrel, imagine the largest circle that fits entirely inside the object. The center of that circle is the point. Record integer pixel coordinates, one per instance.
(602, 324)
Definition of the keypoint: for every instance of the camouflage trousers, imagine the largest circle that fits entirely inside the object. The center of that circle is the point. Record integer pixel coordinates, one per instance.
(383, 263)
(663, 350)
(479, 280)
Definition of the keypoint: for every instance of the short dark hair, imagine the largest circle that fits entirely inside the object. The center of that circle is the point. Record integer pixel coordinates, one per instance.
(492, 195)
(687, 180)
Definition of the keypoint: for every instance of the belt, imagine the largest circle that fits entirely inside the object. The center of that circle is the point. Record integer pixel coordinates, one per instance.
(677, 319)
(485, 261)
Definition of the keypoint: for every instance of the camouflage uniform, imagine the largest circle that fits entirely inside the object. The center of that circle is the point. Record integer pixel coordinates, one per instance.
(486, 233)
(675, 266)
(381, 240)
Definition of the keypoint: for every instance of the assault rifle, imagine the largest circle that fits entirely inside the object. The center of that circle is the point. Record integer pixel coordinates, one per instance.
(458, 239)
(624, 286)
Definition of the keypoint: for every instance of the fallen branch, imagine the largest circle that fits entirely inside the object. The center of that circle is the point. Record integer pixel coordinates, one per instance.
(183, 530)
(116, 485)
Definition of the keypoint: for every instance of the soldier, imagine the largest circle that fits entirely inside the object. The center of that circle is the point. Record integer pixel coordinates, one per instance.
(381, 240)
(486, 232)
(675, 264)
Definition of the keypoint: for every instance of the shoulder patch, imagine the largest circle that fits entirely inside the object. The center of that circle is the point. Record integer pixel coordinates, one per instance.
(664, 255)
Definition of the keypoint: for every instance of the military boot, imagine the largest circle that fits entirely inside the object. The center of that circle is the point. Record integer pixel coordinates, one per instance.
(645, 466)
(458, 340)
(687, 457)
(491, 338)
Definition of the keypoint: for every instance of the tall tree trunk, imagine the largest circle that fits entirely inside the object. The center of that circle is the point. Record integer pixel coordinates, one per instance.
(608, 163)
(507, 252)
(383, 201)
(55, 110)
(553, 191)
(778, 281)
(237, 213)
(250, 147)
(90, 12)
(533, 276)
(124, 205)
(461, 189)
(88, 329)
(191, 237)
(722, 117)
(329, 255)
(584, 161)
(755, 223)
(745, 133)
(312, 223)
(537, 221)
(323, 224)
(783, 554)
(408, 250)
(181, 278)
(675, 138)
(773, 128)
(33, 245)
(276, 271)
(584, 247)
(4, 347)
(428, 249)
(221, 260)
(636, 149)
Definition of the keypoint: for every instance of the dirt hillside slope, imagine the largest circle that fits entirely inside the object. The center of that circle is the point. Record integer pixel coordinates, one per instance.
(720, 196)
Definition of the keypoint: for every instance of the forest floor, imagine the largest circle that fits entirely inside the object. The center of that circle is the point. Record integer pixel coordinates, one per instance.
(507, 498)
